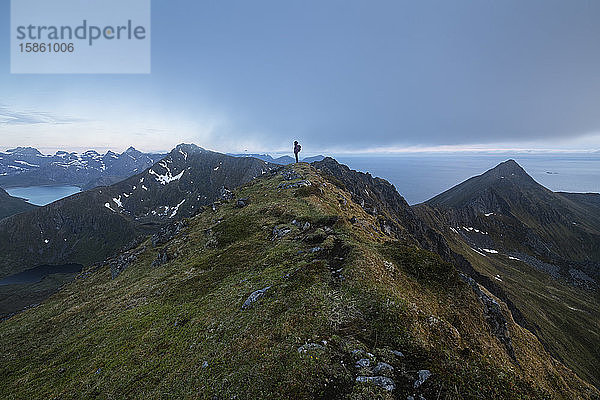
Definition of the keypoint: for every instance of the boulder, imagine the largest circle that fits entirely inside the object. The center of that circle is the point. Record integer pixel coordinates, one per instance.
(381, 381)
(253, 298)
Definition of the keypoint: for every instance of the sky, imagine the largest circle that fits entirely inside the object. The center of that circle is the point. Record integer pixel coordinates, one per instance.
(340, 76)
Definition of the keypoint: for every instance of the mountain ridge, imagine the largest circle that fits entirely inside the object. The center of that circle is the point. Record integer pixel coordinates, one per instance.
(27, 166)
(292, 287)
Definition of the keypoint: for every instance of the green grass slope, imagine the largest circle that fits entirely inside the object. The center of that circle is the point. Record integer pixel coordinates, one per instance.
(566, 318)
(173, 325)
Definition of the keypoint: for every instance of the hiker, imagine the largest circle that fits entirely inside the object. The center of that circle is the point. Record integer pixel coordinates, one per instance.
(297, 149)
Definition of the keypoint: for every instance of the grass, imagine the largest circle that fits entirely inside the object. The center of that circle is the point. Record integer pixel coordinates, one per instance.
(178, 330)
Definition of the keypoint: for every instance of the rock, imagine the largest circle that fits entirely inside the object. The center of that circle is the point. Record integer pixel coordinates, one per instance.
(294, 185)
(205, 364)
(280, 231)
(382, 368)
(225, 194)
(253, 298)
(363, 363)
(123, 261)
(161, 258)
(290, 174)
(305, 348)
(306, 226)
(167, 233)
(242, 202)
(389, 266)
(315, 249)
(424, 374)
(398, 353)
(494, 316)
(381, 381)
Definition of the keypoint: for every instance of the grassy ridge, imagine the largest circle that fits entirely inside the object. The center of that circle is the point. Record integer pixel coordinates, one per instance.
(178, 330)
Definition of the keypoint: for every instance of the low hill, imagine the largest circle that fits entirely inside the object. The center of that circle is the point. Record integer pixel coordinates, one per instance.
(303, 284)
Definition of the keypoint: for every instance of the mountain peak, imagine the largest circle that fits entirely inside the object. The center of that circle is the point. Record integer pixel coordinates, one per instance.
(25, 151)
(510, 170)
(507, 177)
(188, 148)
(130, 150)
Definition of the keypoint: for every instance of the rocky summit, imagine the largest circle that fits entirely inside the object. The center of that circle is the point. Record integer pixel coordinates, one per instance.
(305, 281)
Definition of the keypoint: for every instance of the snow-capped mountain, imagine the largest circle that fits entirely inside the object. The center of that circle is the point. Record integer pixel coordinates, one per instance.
(26, 166)
(88, 226)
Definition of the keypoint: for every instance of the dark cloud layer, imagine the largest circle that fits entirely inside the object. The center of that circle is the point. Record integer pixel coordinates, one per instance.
(379, 73)
(354, 74)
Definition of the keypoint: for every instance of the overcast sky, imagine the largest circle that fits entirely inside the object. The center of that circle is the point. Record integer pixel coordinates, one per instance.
(336, 75)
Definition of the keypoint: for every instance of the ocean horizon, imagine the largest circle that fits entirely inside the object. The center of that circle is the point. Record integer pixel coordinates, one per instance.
(419, 177)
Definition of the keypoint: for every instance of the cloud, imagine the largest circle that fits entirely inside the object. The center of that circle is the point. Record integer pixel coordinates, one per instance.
(13, 117)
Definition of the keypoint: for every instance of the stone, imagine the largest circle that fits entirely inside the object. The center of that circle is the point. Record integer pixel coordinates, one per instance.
(382, 368)
(290, 174)
(225, 194)
(253, 298)
(294, 185)
(161, 258)
(424, 374)
(305, 348)
(381, 381)
(315, 249)
(242, 202)
(204, 364)
(167, 233)
(280, 231)
(398, 353)
(363, 363)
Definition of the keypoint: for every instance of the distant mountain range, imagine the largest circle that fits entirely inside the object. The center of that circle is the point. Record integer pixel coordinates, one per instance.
(283, 160)
(26, 166)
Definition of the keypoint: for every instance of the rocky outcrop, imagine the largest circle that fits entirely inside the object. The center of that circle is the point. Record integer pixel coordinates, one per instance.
(494, 317)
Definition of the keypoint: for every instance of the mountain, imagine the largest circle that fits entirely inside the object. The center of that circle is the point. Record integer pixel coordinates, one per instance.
(552, 226)
(89, 226)
(11, 205)
(283, 160)
(307, 282)
(26, 166)
(313, 159)
(539, 248)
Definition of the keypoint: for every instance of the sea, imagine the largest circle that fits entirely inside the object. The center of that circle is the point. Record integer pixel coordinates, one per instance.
(43, 195)
(419, 177)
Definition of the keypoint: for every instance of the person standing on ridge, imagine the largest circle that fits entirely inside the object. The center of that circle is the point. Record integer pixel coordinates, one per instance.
(297, 149)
